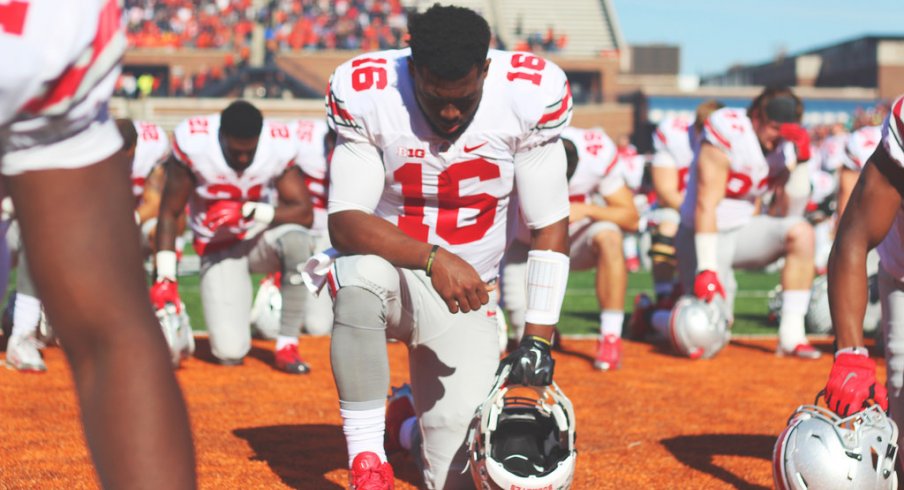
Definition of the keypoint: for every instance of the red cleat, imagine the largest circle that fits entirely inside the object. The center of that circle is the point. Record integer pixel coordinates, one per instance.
(369, 473)
(800, 351)
(288, 360)
(608, 353)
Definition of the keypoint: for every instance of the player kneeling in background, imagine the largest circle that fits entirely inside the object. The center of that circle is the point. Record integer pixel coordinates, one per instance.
(741, 155)
(433, 141)
(602, 207)
(228, 166)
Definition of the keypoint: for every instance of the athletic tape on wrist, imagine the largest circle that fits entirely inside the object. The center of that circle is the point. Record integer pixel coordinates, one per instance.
(547, 277)
(861, 351)
(707, 245)
(263, 212)
(165, 260)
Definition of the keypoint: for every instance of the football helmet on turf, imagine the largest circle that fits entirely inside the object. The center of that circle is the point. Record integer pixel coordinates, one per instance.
(699, 329)
(819, 449)
(177, 330)
(266, 309)
(523, 437)
(819, 319)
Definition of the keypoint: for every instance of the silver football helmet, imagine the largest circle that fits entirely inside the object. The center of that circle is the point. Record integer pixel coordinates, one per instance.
(819, 319)
(819, 450)
(523, 437)
(177, 331)
(699, 329)
(266, 309)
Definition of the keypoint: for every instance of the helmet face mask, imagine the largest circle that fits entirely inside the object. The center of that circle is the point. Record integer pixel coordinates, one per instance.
(523, 437)
(819, 449)
(698, 329)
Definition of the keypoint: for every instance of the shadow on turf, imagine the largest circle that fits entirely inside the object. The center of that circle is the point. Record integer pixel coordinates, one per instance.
(698, 451)
(300, 455)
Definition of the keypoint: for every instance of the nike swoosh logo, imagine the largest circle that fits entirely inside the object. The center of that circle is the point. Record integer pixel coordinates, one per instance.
(848, 378)
(472, 148)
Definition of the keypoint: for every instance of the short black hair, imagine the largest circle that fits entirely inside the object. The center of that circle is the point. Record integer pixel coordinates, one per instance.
(449, 41)
(128, 132)
(241, 120)
(758, 107)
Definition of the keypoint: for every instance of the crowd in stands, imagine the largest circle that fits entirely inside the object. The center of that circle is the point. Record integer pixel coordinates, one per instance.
(292, 25)
(189, 23)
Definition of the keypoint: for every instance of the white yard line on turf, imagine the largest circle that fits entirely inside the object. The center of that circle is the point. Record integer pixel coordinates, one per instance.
(743, 293)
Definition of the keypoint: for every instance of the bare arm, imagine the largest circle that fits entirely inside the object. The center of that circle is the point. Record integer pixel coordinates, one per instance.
(150, 197)
(871, 210)
(847, 179)
(665, 183)
(294, 200)
(178, 186)
(619, 209)
(712, 175)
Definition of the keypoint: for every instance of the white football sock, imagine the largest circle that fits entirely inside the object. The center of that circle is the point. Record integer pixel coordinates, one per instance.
(284, 340)
(611, 322)
(26, 315)
(363, 431)
(794, 309)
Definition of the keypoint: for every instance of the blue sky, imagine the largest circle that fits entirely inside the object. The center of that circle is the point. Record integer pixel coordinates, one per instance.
(714, 34)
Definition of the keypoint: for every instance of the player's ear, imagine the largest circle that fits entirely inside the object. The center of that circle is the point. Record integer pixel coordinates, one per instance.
(486, 66)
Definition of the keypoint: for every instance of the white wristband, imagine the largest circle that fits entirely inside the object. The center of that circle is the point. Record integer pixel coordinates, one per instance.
(263, 212)
(165, 260)
(707, 245)
(547, 277)
(862, 351)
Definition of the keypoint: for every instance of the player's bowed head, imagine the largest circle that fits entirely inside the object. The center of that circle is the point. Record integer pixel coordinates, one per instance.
(448, 76)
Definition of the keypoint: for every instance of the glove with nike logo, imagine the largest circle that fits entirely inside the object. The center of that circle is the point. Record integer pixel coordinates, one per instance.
(852, 382)
(707, 286)
(532, 363)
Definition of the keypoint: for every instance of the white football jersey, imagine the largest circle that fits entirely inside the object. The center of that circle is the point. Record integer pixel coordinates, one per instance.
(455, 194)
(832, 152)
(196, 145)
(310, 135)
(61, 61)
(861, 145)
(631, 164)
(597, 173)
(151, 149)
(750, 172)
(673, 147)
(891, 250)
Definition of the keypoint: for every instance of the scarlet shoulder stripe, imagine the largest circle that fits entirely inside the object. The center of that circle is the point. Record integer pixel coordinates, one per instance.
(722, 140)
(896, 114)
(180, 155)
(70, 82)
(556, 110)
(612, 164)
(338, 113)
(661, 136)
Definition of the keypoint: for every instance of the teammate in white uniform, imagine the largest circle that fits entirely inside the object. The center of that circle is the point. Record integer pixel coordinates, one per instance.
(874, 218)
(740, 156)
(432, 143)
(227, 167)
(601, 208)
(149, 149)
(675, 142)
(58, 147)
(315, 142)
(860, 145)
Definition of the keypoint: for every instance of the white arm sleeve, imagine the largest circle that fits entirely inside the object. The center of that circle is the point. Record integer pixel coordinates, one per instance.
(542, 184)
(356, 177)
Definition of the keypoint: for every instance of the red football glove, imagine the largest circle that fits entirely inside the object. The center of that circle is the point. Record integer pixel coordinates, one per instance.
(801, 139)
(707, 286)
(851, 383)
(223, 213)
(163, 292)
